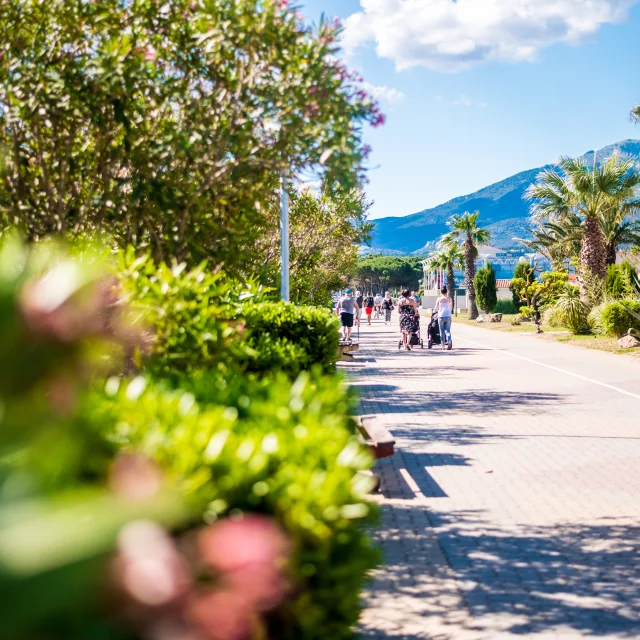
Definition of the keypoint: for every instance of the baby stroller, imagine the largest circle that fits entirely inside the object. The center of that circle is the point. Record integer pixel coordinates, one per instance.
(434, 334)
(414, 337)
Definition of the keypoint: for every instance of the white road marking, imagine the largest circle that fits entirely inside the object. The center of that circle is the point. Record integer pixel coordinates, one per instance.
(548, 366)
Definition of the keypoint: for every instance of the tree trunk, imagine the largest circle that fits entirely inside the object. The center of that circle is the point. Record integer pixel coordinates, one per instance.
(469, 274)
(451, 283)
(593, 253)
(612, 253)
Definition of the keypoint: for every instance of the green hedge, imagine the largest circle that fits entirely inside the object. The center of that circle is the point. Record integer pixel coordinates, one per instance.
(273, 447)
(290, 338)
(191, 315)
(199, 320)
(615, 320)
(505, 307)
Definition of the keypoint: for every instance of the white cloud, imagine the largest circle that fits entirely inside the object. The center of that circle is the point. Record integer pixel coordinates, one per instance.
(450, 36)
(383, 93)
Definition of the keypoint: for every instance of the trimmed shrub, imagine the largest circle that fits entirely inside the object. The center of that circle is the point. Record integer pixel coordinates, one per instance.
(615, 320)
(266, 446)
(506, 307)
(486, 289)
(191, 315)
(289, 338)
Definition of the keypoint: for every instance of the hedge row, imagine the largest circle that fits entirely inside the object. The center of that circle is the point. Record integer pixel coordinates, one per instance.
(221, 408)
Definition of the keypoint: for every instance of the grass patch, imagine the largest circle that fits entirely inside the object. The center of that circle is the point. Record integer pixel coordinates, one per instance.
(599, 343)
(505, 325)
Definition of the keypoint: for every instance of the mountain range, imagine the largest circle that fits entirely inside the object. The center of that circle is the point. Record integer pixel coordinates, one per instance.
(502, 209)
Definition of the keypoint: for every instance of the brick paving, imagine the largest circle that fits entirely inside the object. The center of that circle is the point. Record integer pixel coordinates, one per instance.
(512, 506)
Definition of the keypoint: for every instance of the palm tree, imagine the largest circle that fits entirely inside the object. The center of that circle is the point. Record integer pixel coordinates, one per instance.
(452, 258)
(465, 231)
(556, 241)
(588, 193)
(618, 230)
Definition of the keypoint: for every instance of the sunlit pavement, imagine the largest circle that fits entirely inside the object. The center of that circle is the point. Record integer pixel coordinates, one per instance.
(512, 506)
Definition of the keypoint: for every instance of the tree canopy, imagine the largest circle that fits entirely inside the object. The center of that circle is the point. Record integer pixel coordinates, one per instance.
(594, 202)
(326, 230)
(379, 273)
(164, 121)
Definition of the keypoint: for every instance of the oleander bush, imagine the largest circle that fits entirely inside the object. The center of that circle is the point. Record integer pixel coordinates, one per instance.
(98, 480)
(290, 338)
(276, 447)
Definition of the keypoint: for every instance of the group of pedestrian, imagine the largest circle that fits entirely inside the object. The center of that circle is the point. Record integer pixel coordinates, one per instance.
(349, 309)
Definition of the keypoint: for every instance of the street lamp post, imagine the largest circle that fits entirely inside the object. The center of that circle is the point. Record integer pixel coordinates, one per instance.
(284, 239)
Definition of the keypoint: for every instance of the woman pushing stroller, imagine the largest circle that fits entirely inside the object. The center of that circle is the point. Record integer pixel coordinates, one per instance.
(443, 308)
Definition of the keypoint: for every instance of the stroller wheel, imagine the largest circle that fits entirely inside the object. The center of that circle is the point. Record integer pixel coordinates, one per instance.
(429, 343)
(421, 344)
(400, 344)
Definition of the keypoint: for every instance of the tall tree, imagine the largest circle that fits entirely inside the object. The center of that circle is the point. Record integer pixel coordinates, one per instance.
(464, 230)
(599, 196)
(163, 121)
(327, 228)
(384, 272)
(449, 257)
(486, 288)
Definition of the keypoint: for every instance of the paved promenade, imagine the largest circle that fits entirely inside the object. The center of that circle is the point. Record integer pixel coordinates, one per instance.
(512, 507)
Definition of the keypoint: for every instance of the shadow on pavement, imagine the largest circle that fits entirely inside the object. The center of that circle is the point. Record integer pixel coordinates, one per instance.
(394, 484)
(525, 579)
(477, 401)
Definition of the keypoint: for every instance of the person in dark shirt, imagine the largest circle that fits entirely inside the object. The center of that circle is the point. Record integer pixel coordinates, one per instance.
(359, 302)
(387, 307)
(368, 307)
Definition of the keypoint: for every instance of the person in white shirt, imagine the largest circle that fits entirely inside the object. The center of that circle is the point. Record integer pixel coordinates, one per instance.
(377, 304)
(443, 308)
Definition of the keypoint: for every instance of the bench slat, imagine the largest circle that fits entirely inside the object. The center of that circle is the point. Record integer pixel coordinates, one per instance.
(377, 436)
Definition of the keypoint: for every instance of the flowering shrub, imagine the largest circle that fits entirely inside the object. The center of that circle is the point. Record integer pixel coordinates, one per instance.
(212, 504)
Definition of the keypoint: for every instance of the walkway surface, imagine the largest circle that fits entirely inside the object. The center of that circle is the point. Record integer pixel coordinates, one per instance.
(512, 506)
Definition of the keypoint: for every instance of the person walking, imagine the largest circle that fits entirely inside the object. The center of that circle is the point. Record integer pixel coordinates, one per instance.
(347, 309)
(387, 307)
(443, 308)
(368, 307)
(408, 317)
(377, 303)
(360, 303)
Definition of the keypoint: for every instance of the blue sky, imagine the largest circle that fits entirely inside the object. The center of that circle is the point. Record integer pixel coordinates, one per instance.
(475, 92)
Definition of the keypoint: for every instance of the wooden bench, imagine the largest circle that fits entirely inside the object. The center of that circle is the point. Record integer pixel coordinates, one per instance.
(347, 349)
(376, 436)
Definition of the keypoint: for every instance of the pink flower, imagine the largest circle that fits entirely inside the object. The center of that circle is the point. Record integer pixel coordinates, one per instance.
(249, 554)
(135, 477)
(222, 615)
(148, 566)
(150, 53)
